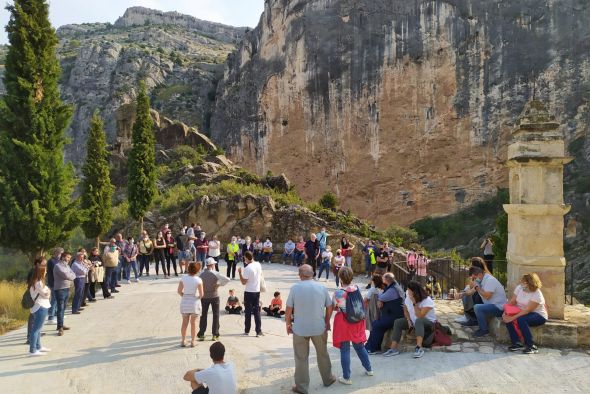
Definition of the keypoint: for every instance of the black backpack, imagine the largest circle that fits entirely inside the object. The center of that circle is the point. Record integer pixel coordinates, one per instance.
(355, 308)
(27, 302)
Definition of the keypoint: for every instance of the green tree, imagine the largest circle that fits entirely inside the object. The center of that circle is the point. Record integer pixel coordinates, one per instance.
(36, 185)
(329, 201)
(97, 189)
(142, 160)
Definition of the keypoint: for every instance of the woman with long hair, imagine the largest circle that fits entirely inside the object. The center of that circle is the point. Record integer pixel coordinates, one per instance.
(40, 294)
(418, 314)
(346, 248)
(159, 254)
(170, 252)
(190, 288)
(344, 333)
(533, 312)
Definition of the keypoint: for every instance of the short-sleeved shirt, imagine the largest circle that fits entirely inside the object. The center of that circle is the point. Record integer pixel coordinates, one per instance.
(219, 378)
(252, 273)
(384, 257)
(427, 302)
(523, 298)
(309, 301)
(232, 300)
(489, 283)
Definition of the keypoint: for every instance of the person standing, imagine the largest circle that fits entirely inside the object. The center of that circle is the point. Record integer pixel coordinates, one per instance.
(81, 271)
(214, 250)
(346, 248)
(248, 246)
(110, 259)
(120, 242)
(232, 255)
(251, 277)
(63, 277)
(312, 252)
(339, 262)
(130, 253)
(421, 264)
(202, 245)
(49, 277)
(40, 293)
(170, 252)
(190, 288)
(488, 253)
(99, 270)
(145, 248)
(211, 282)
(322, 238)
(346, 333)
(411, 258)
(160, 254)
(184, 253)
(312, 306)
(30, 274)
(326, 262)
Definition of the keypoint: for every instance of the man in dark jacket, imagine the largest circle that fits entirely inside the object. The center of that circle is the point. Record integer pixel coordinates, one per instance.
(312, 252)
(49, 278)
(391, 302)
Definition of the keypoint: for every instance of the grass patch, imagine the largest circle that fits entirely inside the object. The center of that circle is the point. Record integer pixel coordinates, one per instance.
(12, 315)
(165, 93)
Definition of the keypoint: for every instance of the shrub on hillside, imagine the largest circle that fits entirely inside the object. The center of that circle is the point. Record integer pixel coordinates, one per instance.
(329, 201)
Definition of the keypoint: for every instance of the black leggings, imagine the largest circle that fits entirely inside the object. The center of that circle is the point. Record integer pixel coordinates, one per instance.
(160, 259)
(231, 267)
(171, 258)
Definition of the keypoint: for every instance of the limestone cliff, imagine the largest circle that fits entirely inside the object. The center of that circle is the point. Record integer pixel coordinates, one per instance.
(403, 108)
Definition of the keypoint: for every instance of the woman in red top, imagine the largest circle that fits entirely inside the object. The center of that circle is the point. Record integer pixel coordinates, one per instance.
(345, 333)
(346, 248)
(299, 251)
(170, 252)
(275, 306)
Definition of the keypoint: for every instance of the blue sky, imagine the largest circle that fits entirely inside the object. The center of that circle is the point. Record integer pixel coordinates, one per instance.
(231, 12)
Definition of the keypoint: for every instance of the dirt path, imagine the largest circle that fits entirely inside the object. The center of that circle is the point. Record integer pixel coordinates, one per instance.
(131, 345)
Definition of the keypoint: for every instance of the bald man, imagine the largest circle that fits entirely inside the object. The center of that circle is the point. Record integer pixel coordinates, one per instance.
(313, 306)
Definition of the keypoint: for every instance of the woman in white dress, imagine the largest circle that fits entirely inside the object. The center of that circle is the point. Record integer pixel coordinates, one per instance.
(190, 288)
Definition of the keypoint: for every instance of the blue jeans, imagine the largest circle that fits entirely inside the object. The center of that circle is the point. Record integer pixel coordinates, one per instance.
(144, 262)
(62, 298)
(368, 268)
(78, 293)
(325, 266)
(38, 321)
(524, 323)
(299, 256)
(289, 256)
(266, 256)
(128, 266)
(378, 329)
(483, 311)
(201, 256)
(252, 307)
(52, 309)
(120, 268)
(361, 352)
(110, 277)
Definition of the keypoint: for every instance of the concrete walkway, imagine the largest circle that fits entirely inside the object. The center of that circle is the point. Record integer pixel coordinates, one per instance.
(131, 345)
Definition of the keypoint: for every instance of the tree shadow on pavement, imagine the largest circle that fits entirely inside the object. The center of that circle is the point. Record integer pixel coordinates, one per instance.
(100, 355)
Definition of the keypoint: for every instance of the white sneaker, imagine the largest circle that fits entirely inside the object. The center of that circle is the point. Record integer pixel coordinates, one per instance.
(128, 282)
(45, 350)
(137, 280)
(369, 373)
(462, 319)
(36, 353)
(344, 381)
(51, 321)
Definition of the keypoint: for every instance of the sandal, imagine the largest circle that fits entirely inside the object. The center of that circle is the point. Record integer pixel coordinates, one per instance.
(193, 343)
(183, 343)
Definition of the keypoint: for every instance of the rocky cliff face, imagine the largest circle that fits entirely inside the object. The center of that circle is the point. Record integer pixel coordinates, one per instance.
(403, 108)
(180, 58)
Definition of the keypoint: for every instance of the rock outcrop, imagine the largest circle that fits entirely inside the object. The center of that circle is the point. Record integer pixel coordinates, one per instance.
(403, 108)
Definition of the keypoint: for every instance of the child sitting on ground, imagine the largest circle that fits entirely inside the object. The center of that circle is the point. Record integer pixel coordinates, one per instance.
(274, 309)
(232, 306)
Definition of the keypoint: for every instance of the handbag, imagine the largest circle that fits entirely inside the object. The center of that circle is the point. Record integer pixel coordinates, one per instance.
(512, 310)
(442, 335)
(262, 282)
(99, 273)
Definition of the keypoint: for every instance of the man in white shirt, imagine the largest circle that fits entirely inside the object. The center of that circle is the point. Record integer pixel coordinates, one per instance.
(493, 295)
(220, 378)
(251, 278)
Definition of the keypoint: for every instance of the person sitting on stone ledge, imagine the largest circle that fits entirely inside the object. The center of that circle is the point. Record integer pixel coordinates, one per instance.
(419, 314)
(391, 304)
(470, 297)
(493, 295)
(533, 312)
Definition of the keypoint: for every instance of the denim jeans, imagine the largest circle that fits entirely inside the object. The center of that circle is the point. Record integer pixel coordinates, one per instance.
(483, 311)
(252, 307)
(128, 266)
(110, 277)
(368, 268)
(524, 323)
(52, 309)
(144, 262)
(62, 298)
(361, 352)
(201, 256)
(266, 256)
(298, 259)
(120, 269)
(78, 293)
(325, 266)
(289, 256)
(348, 261)
(38, 321)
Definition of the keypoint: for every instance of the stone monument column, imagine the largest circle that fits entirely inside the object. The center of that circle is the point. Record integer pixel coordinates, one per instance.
(536, 156)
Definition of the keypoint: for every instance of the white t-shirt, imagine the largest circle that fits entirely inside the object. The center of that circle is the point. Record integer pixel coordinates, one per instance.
(491, 284)
(427, 302)
(191, 284)
(43, 300)
(267, 245)
(327, 256)
(252, 273)
(219, 378)
(523, 297)
(214, 248)
(339, 260)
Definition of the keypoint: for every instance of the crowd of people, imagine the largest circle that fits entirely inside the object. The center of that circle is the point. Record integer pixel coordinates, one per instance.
(386, 305)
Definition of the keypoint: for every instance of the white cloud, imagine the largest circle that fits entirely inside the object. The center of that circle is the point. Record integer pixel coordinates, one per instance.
(231, 12)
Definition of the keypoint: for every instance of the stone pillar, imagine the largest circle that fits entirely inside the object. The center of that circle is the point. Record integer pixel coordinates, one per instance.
(536, 156)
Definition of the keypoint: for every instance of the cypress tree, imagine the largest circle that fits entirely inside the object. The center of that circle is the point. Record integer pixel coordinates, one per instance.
(36, 185)
(97, 189)
(141, 187)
